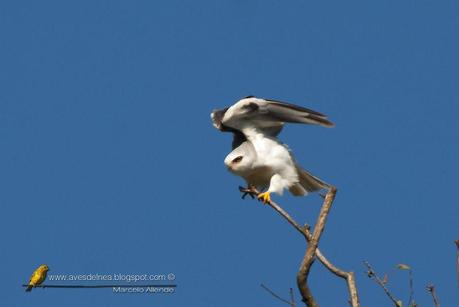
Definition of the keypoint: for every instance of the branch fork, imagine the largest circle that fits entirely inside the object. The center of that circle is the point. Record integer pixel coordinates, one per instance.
(312, 251)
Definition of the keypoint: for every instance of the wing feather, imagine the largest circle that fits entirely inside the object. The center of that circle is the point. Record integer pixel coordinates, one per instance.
(290, 113)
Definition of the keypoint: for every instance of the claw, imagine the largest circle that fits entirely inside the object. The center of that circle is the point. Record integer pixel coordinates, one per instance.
(246, 191)
(264, 197)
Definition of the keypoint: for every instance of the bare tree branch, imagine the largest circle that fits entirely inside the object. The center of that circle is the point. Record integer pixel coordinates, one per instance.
(348, 276)
(292, 297)
(303, 273)
(411, 299)
(352, 288)
(406, 267)
(372, 274)
(457, 259)
(291, 303)
(431, 290)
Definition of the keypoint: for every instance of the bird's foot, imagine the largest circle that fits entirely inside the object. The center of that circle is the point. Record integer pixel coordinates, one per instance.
(264, 197)
(247, 191)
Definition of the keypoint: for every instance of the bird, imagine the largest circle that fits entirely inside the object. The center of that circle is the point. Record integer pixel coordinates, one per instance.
(38, 276)
(258, 156)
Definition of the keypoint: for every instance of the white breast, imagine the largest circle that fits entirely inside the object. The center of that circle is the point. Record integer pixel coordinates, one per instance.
(275, 156)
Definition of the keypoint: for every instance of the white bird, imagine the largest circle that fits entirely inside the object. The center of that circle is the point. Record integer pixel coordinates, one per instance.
(257, 155)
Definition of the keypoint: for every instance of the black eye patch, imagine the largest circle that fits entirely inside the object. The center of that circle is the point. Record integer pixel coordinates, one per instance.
(237, 159)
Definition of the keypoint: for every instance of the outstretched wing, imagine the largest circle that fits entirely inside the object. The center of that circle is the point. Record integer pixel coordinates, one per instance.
(268, 116)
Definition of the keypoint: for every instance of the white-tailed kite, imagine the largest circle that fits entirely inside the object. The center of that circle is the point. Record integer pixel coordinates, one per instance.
(257, 155)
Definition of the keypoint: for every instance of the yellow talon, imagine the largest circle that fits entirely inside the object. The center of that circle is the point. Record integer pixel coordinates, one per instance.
(265, 197)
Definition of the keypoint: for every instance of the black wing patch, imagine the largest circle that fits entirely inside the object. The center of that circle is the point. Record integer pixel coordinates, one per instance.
(238, 136)
(251, 107)
(238, 139)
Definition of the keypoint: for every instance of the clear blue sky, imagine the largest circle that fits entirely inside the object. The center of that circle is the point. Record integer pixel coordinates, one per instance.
(109, 163)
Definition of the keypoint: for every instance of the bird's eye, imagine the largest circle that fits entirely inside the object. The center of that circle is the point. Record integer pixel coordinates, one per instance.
(237, 159)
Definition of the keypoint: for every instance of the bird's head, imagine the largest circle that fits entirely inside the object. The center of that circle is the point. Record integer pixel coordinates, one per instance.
(44, 268)
(241, 159)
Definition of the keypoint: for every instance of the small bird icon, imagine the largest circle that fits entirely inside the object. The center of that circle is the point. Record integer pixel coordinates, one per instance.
(38, 276)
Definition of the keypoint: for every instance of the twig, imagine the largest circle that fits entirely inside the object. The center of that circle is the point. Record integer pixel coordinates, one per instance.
(431, 289)
(291, 303)
(292, 297)
(410, 300)
(457, 259)
(405, 267)
(372, 274)
(348, 276)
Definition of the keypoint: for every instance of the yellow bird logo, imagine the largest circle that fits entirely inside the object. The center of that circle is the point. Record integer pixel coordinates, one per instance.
(38, 276)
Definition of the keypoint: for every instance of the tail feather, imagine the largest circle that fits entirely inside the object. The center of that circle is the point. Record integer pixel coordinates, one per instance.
(307, 183)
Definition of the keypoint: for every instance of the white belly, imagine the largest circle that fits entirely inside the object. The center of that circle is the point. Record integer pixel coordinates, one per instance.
(260, 177)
